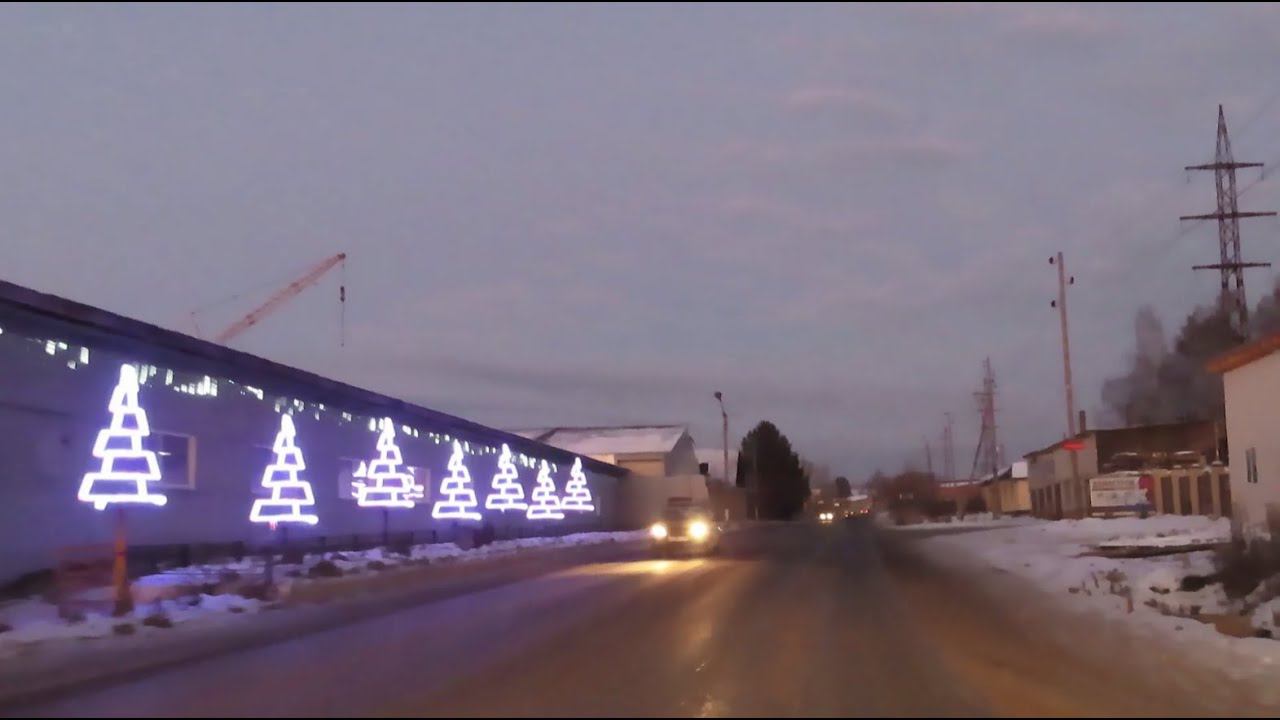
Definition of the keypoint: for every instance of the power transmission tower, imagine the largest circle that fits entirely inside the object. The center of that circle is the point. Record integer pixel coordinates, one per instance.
(988, 450)
(1230, 265)
(948, 452)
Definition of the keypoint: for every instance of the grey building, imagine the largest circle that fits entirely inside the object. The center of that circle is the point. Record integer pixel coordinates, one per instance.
(213, 414)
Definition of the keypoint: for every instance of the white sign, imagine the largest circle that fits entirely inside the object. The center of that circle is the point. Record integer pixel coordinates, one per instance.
(1118, 493)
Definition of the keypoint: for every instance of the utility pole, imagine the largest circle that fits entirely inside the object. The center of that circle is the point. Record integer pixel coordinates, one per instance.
(948, 451)
(988, 446)
(1230, 265)
(928, 457)
(1061, 304)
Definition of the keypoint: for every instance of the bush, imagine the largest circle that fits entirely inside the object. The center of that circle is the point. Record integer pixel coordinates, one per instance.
(975, 504)
(157, 620)
(1242, 566)
(324, 569)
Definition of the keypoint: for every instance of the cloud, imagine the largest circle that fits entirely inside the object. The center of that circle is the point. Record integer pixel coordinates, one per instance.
(919, 151)
(815, 98)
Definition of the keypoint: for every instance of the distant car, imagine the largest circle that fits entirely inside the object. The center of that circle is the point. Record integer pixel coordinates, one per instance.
(685, 529)
(826, 517)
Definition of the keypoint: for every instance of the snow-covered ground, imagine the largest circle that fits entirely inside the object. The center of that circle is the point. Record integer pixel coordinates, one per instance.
(176, 594)
(1146, 593)
(970, 520)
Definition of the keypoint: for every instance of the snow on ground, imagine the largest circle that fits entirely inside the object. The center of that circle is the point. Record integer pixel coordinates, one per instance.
(970, 520)
(1144, 592)
(178, 594)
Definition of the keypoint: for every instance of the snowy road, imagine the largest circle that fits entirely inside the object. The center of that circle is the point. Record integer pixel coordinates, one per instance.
(790, 620)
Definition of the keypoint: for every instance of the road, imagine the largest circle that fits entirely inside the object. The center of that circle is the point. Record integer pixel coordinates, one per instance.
(789, 620)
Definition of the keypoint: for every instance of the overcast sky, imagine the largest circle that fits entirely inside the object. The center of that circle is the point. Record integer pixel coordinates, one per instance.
(601, 215)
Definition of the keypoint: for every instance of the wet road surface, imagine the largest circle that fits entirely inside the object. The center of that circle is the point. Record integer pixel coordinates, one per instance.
(791, 620)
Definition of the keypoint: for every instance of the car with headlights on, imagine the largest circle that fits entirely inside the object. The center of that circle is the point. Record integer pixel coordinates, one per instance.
(685, 529)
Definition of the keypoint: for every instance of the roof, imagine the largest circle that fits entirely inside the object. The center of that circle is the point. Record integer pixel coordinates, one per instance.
(1238, 357)
(31, 312)
(1113, 431)
(619, 440)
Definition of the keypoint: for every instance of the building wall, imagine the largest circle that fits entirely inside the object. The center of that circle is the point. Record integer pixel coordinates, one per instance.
(643, 465)
(682, 460)
(1049, 477)
(52, 406)
(1253, 416)
(1192, 491)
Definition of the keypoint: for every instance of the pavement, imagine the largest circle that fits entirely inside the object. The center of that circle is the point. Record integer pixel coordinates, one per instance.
(788, 620)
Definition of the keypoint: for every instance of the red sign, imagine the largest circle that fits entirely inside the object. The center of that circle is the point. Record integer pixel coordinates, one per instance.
(1073, 445)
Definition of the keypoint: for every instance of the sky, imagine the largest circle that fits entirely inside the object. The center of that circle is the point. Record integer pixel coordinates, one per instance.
(600, 215)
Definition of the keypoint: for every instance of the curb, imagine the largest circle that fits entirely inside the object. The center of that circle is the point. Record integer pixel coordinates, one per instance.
(81, 667)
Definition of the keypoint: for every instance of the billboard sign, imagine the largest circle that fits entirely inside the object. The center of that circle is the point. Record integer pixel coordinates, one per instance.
(1121, 493)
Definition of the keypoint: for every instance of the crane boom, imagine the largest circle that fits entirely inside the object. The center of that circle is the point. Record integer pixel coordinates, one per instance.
(281, 297)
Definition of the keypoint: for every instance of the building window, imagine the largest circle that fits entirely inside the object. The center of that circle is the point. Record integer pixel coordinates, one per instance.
(350, 470)
(176, 456)
(1251, 465)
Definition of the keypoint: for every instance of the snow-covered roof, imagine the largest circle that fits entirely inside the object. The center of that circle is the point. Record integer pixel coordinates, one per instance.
(597, 441)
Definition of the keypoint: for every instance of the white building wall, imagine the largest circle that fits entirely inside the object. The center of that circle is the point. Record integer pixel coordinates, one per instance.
(1253, 422)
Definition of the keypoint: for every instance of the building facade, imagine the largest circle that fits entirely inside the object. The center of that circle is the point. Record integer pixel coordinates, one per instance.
(1059, 475)
(214, 415)
(1251, 386)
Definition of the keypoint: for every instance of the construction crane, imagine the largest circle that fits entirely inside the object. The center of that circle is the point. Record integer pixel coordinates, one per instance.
(284, 295)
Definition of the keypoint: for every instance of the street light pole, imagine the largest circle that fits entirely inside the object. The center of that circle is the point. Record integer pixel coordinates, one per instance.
(724, 417)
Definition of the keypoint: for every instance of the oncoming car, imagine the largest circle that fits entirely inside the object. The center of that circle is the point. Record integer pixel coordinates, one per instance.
(826, 517)
(688, 529)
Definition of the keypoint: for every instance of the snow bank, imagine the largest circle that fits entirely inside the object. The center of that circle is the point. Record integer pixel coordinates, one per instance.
(970, 520)
(1145, 592)
(181, 594)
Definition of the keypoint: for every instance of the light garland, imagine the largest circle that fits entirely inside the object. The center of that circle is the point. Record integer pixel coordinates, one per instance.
(459, 501)
(506, 493)
(289, 492)
(126, 466)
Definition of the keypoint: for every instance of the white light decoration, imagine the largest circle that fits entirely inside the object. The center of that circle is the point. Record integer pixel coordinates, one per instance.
(459, 499)
(546, 504)
(506, 493)
(577, 495)
(385, 482)
(289, 493)
(126, 466)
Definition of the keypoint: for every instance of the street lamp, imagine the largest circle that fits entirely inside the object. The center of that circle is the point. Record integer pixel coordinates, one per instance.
(724, 416)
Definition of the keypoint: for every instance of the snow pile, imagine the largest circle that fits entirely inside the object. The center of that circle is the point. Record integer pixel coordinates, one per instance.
(974, 520)
(1056, 556)
(34, 621)
(192, 594)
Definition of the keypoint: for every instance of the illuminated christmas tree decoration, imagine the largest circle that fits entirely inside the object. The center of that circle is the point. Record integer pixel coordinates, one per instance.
(126, 466)
(459, 501)
(385, 483)
(546, 504)
(506, 493)
(289, 493)
(577, 495)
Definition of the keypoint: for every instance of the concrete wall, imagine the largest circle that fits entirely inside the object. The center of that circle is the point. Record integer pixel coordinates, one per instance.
(1253, 420)
(642, 498)
(682, 460)
(50, 414)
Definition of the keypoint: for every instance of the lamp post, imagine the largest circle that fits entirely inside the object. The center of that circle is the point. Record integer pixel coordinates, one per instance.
(724, 417)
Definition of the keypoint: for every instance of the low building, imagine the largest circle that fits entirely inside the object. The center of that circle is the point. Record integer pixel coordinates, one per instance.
(1009, 493)
(1251, 386)
(728, 500)
(213, 423)
(660, 459)
(1059, 475)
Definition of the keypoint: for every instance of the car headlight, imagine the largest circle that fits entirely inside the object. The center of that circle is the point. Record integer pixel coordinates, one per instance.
(658, 531)
(699, 530)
